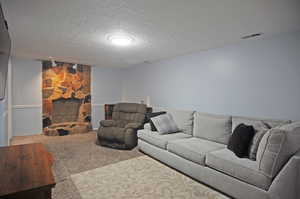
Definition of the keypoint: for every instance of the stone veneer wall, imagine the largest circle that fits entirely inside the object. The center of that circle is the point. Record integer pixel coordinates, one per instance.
(64, 82)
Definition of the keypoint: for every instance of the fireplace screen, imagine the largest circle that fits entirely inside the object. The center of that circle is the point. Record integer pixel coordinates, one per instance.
(65, 110)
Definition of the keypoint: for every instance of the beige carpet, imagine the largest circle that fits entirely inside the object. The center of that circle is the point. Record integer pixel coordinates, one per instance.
(141, 177)
(77, 153)
(74, 154)
(84, 170)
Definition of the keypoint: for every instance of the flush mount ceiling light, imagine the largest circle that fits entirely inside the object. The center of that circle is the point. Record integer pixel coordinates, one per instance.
(120, 39)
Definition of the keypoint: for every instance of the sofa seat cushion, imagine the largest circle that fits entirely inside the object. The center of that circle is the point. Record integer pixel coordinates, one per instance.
(193, 149)
(152, 137)
(241, 168)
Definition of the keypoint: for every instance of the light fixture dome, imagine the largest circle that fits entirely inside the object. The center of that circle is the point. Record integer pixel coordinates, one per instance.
(120, 39)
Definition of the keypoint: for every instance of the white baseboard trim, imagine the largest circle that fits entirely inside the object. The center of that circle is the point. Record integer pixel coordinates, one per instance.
(27, 106)
(98, 104)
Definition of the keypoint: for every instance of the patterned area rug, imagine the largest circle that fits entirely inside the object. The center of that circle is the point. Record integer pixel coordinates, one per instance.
(142, 178)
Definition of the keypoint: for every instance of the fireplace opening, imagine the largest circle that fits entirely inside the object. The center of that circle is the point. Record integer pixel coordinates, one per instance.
(65, 110)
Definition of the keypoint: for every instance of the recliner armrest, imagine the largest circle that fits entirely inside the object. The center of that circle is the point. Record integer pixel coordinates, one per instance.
(107, 123)
(133, 125)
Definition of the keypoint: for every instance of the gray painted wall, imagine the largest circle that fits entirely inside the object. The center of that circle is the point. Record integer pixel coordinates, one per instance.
(27, 95)
(4, 130)
(106, 89)
(257, 77)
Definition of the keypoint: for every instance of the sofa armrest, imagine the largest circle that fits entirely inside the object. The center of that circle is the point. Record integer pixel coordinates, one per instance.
(133, 125)
(107, 123)
(297, 155)
(147, 126)
(286, 184)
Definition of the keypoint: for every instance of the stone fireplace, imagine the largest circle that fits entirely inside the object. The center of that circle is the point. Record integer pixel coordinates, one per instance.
(66, 99)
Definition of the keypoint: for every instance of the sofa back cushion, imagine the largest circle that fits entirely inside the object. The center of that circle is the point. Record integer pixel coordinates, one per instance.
(277, 146)
(236, 120)
(212, 127)
(183, 119)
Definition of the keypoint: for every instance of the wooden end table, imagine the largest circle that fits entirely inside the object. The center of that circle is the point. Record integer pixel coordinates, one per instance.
(25, 172)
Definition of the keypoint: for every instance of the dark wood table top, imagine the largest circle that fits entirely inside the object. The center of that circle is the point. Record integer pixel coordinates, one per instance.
(25, 167)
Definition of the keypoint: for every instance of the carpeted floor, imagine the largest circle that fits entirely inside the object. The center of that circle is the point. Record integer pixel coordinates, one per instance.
(84, 170)
(140, 178)
(74, 154)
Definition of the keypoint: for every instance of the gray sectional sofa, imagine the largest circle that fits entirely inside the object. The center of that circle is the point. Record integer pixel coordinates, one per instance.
(199, 151)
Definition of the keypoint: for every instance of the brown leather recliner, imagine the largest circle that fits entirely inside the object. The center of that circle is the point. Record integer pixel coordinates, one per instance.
(121, 131)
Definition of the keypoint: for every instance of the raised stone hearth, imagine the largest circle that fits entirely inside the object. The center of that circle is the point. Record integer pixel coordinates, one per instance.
(66, 99)
(67, 128)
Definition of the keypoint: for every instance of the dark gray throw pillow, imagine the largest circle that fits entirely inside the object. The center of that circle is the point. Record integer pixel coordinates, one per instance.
(148, 117)
(240, 139)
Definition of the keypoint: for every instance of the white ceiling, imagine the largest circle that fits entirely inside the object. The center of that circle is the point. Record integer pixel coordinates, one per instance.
(76, 30)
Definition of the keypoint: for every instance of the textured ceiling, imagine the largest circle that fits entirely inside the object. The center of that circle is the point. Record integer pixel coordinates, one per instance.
(76, 30)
